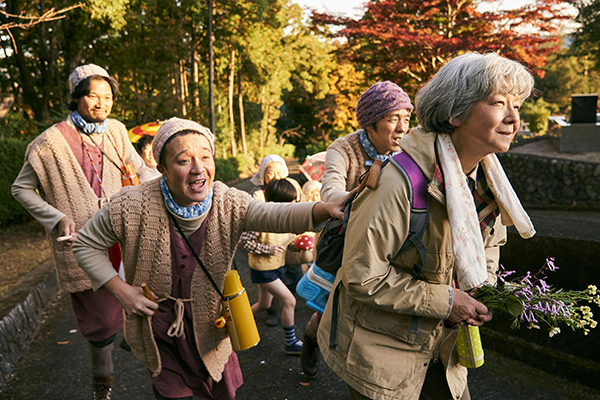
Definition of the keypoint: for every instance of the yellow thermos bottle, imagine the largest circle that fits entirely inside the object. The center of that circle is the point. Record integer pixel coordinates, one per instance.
(237, 314)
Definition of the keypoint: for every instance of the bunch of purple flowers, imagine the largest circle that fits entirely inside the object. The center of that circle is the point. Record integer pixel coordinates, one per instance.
(530, 300)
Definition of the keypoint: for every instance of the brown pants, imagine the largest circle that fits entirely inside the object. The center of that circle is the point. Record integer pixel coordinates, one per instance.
(434, 388)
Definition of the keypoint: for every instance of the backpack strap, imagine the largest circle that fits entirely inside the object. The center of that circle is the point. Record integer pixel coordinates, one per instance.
(419, 215)
(368, 179)
(419, 208)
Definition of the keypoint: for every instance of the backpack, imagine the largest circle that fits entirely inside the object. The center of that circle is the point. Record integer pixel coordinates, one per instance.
(331, 243)
(330, 247)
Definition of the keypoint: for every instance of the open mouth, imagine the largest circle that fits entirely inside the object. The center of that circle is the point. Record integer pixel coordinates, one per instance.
(197, 185)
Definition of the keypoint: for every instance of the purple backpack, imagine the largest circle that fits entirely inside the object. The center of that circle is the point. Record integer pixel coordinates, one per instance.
(419, 215)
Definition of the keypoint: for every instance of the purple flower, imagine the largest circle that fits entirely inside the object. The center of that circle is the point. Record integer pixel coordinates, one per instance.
(504, 273)
(529, 316)
(526, 291)
(550, 263)
(545, 286)
(526, 279)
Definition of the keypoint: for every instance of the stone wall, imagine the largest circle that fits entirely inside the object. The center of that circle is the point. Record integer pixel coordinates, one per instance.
(20, 324)
(549, 183)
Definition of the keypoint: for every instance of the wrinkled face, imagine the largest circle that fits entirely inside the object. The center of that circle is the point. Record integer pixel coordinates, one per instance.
(189, 168)
(95, 106)
(388, 131)
(489, 128)
(314, 195)
(148, 157)
(274, 170)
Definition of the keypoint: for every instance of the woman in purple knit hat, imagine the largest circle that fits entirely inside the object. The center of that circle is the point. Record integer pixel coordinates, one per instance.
(383, 113)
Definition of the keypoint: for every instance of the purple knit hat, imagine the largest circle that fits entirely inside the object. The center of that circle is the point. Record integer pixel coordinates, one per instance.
(378, 101)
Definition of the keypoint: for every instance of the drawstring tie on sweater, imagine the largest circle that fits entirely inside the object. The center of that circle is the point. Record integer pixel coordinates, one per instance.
(176, 328)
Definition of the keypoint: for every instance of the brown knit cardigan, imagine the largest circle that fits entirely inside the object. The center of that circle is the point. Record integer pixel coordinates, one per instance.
(351, 149)
(65, 187)
(139, 219)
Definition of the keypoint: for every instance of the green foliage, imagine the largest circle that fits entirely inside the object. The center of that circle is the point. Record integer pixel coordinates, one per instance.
(285, 151)
(536, 114)
(587, 35)
(12, 154)
(244, 163)
(15, 126)
(565, 74)
(113, 11)
(311, 149)
(226, 169)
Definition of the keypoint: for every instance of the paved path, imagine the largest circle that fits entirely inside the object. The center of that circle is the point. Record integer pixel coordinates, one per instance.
(56, 367)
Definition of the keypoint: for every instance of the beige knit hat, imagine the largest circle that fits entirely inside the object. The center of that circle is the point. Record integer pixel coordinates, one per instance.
(82, 72)
(174, 125)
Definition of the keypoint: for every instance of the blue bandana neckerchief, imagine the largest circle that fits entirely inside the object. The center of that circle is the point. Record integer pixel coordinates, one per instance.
(371, 151)
(185, 212)
(87, 127)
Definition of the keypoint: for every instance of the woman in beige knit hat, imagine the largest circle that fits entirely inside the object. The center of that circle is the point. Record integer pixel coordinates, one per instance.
(186, 355)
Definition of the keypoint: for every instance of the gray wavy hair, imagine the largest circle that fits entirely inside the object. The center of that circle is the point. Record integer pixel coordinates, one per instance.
(465, 81)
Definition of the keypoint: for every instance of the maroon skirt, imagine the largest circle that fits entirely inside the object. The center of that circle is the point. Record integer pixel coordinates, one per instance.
(183, 373)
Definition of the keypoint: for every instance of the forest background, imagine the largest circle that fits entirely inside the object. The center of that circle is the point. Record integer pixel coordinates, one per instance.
(286, 79)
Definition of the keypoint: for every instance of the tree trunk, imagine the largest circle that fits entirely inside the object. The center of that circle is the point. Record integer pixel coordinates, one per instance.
(195, 77)
(196, 80)
(241, 106)
(183, 88)
(137, 97)
(211, 67)
(261, 135)
(231, 119)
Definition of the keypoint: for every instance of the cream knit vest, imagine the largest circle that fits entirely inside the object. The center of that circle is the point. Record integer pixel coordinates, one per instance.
(66, 188)
(350, 148)
(268, 262)
(139, 219)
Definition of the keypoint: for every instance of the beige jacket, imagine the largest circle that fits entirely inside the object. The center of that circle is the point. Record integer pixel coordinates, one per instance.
(390, 324)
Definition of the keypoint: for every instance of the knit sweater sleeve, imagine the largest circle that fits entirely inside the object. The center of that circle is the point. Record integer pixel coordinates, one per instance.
(90, 247)
(249, 242)
(334, 176)
(279, 217)
(24, 191)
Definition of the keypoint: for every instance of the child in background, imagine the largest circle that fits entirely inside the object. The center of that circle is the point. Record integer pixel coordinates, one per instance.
(312, 190)
(266, 258)
(144, 147)
(273, 167)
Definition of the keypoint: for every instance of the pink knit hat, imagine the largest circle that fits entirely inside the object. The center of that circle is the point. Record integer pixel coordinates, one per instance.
(378, 101)
(82, 72)
(174, 125)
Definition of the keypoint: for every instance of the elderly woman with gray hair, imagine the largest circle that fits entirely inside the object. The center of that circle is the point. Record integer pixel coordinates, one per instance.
(162, 225)
(396, 328)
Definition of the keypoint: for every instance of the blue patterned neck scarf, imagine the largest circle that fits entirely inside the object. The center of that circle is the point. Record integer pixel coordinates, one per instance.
(87, 127)
(371, 151)
(185, 212)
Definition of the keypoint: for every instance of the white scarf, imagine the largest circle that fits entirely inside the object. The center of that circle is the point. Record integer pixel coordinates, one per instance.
(467, 242)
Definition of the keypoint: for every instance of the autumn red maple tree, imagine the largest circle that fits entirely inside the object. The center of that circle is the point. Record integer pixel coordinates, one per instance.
(407, 41)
